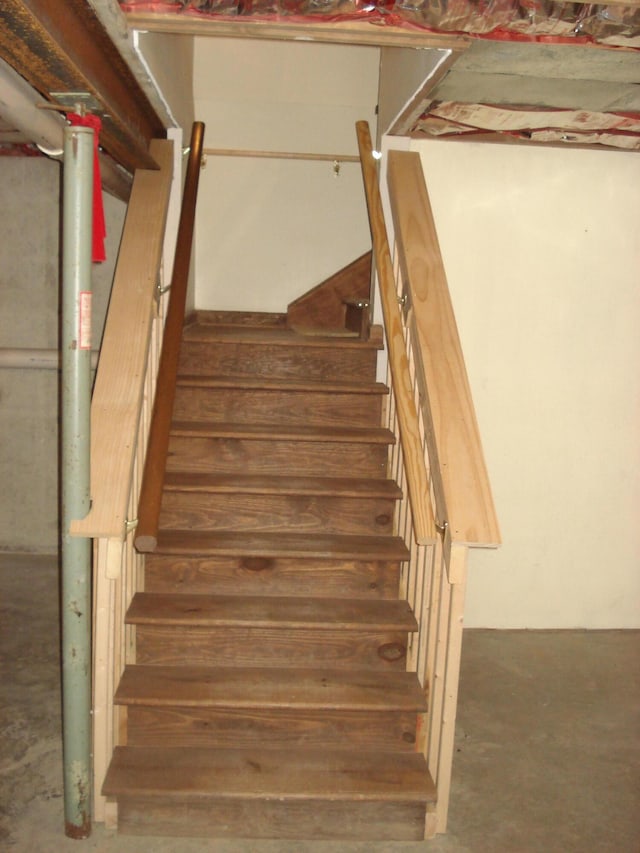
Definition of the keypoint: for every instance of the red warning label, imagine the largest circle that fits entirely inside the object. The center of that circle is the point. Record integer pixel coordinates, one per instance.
(84, 320)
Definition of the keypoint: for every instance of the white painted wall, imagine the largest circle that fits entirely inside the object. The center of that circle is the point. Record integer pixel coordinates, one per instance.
(169, 62)
(269, 230)
(542, 252)
(403, 72)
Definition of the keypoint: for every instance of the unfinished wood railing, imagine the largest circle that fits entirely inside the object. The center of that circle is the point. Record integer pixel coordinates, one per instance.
(438, 457)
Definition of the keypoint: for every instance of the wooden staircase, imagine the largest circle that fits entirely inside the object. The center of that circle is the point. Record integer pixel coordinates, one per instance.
(269, 696)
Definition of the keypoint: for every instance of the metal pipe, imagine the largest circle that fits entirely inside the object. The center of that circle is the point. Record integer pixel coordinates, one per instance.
(76, 552)
(20, 103)
(23, 358)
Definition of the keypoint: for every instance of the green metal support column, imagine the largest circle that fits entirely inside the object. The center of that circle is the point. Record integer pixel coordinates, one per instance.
(75, 405)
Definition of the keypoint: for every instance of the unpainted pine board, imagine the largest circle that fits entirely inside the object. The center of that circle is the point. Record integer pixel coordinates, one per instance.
(102, 693)
(406, 410)
(118, 392)
(469, 503)
(454, 626)
(341, 32)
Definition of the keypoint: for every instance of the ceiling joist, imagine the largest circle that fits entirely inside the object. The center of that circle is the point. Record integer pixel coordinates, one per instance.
(62, 47)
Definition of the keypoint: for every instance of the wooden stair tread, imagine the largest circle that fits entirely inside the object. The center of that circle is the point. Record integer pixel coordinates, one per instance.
(298, 688)
(255, 611)
(238, 319)
(301, 432)
(322, 331)
(211, 333)
(301, 774)
(300, 545)
(250, 383)
(265, 484)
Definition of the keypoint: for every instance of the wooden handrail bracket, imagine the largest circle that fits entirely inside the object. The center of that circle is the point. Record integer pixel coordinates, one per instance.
(453, 438)
(118, 392)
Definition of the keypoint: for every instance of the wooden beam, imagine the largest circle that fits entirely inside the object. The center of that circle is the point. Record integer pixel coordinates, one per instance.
(118, 393)
(280, 155)
(62, 47)
(338, 32)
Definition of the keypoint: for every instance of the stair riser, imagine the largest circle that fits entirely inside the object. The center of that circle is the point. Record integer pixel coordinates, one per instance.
(277, 362)
(282, 728)
(305, 458)
(271, 576)
(274, 818)
(272, 513)
(245, 646)
(220, 405)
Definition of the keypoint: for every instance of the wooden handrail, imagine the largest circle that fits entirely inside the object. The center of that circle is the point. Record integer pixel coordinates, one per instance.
(452, 434)
(418, 483)
(146, 537)
(118, 392)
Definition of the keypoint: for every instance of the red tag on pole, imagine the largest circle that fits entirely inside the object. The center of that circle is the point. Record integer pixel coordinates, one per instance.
(99, 228)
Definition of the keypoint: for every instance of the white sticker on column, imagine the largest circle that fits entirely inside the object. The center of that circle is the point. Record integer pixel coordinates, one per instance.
(84, 330)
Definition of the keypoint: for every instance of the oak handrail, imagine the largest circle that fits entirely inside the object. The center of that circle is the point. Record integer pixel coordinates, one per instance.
(118, 393)
(464, 503)
(146, 537)
(417, 479)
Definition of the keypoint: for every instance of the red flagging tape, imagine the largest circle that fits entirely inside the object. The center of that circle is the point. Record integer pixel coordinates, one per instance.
(99, 229)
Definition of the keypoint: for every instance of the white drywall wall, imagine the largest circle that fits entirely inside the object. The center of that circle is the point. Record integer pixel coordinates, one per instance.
(269, 230)
(403, 73)
(542, 252)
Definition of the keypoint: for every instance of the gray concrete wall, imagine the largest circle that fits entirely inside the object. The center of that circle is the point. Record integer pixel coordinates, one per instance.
(30, 191)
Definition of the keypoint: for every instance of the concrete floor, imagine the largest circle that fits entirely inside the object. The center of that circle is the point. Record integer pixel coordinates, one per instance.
(548, 741)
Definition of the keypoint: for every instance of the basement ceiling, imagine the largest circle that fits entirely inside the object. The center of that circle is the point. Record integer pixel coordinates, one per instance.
(616, 22)
(533, 71)
(546, 93)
